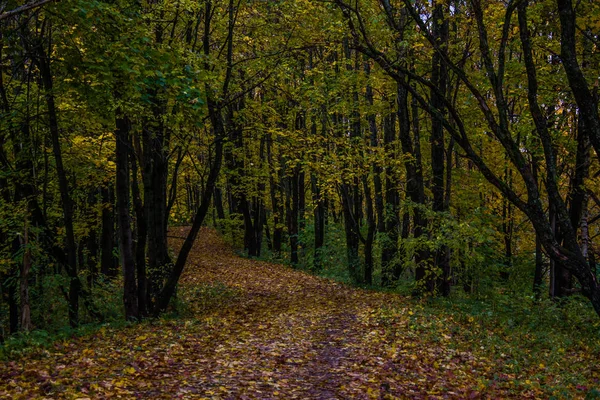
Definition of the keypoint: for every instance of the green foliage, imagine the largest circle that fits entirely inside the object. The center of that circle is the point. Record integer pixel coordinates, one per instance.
(49, 306)
(23, 344)
(108, 299)
(38, 343)
(232, 229)
(333, 254)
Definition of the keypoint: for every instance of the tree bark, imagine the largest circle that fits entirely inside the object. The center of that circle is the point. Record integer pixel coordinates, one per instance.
(276, 200)
(141, 234)
(439, 280)
(108, 265)
(26, 324)
(130, 294)
(292, 210)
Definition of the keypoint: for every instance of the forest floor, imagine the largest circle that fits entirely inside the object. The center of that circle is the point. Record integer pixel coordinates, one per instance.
(254, 329)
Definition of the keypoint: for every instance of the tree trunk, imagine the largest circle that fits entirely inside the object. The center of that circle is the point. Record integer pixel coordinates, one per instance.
(24, 283)
(415, 188)
(276, 199)
(539, 254)
(108, 266)
(130, 294)
(13, 307)
(218, 199)
(141, 234)
(371, 227)
(155, 203)
(319, 222)
(389, 248)
(292, 210)
(439, 280)
(91, 244)
(351, 230)
(372, 208)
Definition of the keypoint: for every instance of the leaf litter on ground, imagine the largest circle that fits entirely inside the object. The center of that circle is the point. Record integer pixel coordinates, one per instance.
(254, 330)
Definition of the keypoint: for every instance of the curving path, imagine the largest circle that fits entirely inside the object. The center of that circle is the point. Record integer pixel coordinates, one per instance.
(273, 333)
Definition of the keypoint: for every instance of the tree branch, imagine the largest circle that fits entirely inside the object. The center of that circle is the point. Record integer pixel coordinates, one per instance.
(24, 8)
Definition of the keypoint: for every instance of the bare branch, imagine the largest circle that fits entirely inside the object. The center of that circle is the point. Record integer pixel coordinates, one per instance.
(24, 8)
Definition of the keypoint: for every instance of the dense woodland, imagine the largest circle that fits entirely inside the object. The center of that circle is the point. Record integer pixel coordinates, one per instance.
(444, 147)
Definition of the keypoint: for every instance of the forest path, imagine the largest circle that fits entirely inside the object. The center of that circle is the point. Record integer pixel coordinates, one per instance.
(284, 334)
(268, 332)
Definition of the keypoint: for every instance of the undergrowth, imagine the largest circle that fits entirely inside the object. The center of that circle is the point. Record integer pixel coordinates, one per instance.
(544, 345)
(190, 302)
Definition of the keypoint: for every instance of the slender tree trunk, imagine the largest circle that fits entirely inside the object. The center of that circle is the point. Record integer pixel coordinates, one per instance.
(26, 324)
(108, 266)
(389, 250)
(155, 142)
(372, 206)
(371, 227)
(276, 200)
(130, 294)
(539, 254)
(155, 203)
(218, 198)
(13, 307)
(141, 234)
(292, 210)
(301, 211)
(539, 268)
(91, 244)
(440, 276)
(352, 233)
(319, 200)
(319, 222)
(507, 231)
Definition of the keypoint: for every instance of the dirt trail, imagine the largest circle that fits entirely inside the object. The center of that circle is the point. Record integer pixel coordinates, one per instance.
(279, 333)
(296, 335)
